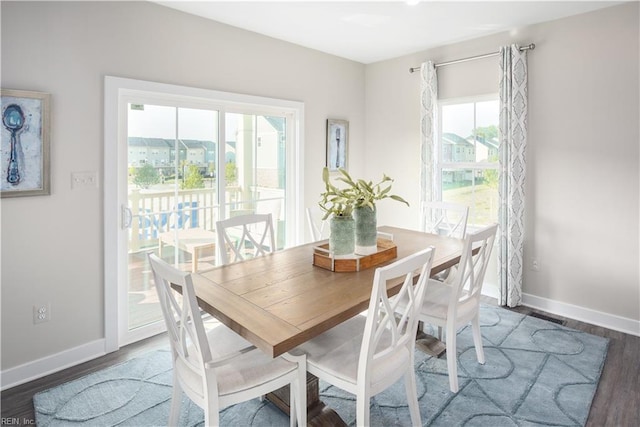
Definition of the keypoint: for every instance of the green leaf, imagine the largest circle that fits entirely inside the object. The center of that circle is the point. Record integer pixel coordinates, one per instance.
(399, 199)
(325, 175)
(366, 185)
(385, 191)
(347, 177)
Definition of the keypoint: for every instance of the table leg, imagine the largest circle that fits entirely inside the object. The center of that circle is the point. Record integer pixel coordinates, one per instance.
(318, 414)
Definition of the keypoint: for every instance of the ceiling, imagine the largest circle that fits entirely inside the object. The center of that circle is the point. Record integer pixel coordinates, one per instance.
(371, 31)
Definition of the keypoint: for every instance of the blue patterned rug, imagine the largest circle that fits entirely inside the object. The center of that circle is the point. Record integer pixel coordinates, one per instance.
(537, 373)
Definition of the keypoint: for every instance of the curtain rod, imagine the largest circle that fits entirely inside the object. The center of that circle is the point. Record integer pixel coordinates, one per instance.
(471, 58)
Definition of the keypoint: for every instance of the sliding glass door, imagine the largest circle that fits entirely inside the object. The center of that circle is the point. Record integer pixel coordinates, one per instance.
(171, 197)
(184, 164)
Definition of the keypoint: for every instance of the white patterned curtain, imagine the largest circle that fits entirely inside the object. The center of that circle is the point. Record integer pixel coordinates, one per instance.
(428, 130)
(513, 142)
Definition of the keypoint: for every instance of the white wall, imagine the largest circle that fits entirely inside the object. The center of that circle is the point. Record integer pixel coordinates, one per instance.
(583, 154)
(52, 246)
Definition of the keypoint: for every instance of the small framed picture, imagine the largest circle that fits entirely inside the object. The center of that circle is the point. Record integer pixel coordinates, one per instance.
(24, 169)
(337, 144)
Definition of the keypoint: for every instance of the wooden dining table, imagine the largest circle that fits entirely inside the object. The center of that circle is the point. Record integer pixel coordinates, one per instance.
(281, 300)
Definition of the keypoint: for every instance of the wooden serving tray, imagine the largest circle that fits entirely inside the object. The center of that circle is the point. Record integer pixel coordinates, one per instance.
(322, 258)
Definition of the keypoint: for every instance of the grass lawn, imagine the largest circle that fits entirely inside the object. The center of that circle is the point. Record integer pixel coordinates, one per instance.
(481, 199)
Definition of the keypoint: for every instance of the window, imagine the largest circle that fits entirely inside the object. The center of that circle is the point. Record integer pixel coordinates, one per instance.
(467, 156)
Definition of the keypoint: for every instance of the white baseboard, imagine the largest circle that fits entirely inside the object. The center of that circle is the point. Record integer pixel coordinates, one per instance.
(587, 315)
(47, 365)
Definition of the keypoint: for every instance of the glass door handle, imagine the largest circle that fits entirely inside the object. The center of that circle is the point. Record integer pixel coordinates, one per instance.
(126, 217)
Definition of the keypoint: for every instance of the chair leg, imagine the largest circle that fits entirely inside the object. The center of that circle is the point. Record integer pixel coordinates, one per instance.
(477, 339)
(211, 405)
(298, 391)
(301, 391)
(211, 412)
(452, 357)
(301, 400)
(176, 401)
(293, 403)
(412, 395)
(363, 401)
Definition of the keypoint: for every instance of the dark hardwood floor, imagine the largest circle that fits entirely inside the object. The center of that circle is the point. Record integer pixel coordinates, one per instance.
(616, 402)
(617, 399)
(17, 404)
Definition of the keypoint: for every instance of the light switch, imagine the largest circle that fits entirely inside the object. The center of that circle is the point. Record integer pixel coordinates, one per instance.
(84, 180)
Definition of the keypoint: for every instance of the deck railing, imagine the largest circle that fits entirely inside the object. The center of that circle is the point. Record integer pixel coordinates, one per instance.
(155, 212)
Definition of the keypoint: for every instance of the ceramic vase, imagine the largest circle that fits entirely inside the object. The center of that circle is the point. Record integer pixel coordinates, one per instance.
(366, 230)
(342, 237)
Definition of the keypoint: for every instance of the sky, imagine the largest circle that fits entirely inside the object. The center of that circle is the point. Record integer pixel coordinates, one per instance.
(160, 122)
(458, 118)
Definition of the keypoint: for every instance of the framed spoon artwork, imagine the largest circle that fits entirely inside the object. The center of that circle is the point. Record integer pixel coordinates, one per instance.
(24, 155)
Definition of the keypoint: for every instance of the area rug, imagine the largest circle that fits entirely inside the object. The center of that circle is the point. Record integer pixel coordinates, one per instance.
(537, 373)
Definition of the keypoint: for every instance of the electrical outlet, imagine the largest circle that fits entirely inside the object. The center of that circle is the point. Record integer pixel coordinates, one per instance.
(41, 313)
(535, 264)
(84, 180)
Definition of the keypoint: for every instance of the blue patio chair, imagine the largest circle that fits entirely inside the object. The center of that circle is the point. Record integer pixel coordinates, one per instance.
(186, 213)
(145, 225)
(160, 222)
(150, 225)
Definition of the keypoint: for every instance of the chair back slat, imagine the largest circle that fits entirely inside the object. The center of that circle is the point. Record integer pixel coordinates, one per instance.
(318, 227)
(245, 236)
(472, 267)
(182, 315)
(449, 219)
(394, 319)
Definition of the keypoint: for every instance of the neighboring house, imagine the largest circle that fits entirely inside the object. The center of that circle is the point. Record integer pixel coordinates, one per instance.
(156, 151)
(196, 151)
(160, 152)
(456, 149)
(486, 149)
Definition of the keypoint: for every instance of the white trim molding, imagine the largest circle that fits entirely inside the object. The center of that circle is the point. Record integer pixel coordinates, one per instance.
(587, 315)
(48, 365)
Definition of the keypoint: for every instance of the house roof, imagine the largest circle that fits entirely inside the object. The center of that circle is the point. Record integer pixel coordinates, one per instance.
(490, 143)
(136, 141)
(455, 139)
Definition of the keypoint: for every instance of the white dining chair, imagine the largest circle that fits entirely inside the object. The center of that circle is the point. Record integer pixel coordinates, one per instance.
(219, 368)
(456, 303)
(366, 355)
(318, 227)
(444, 218)
(245, 236)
